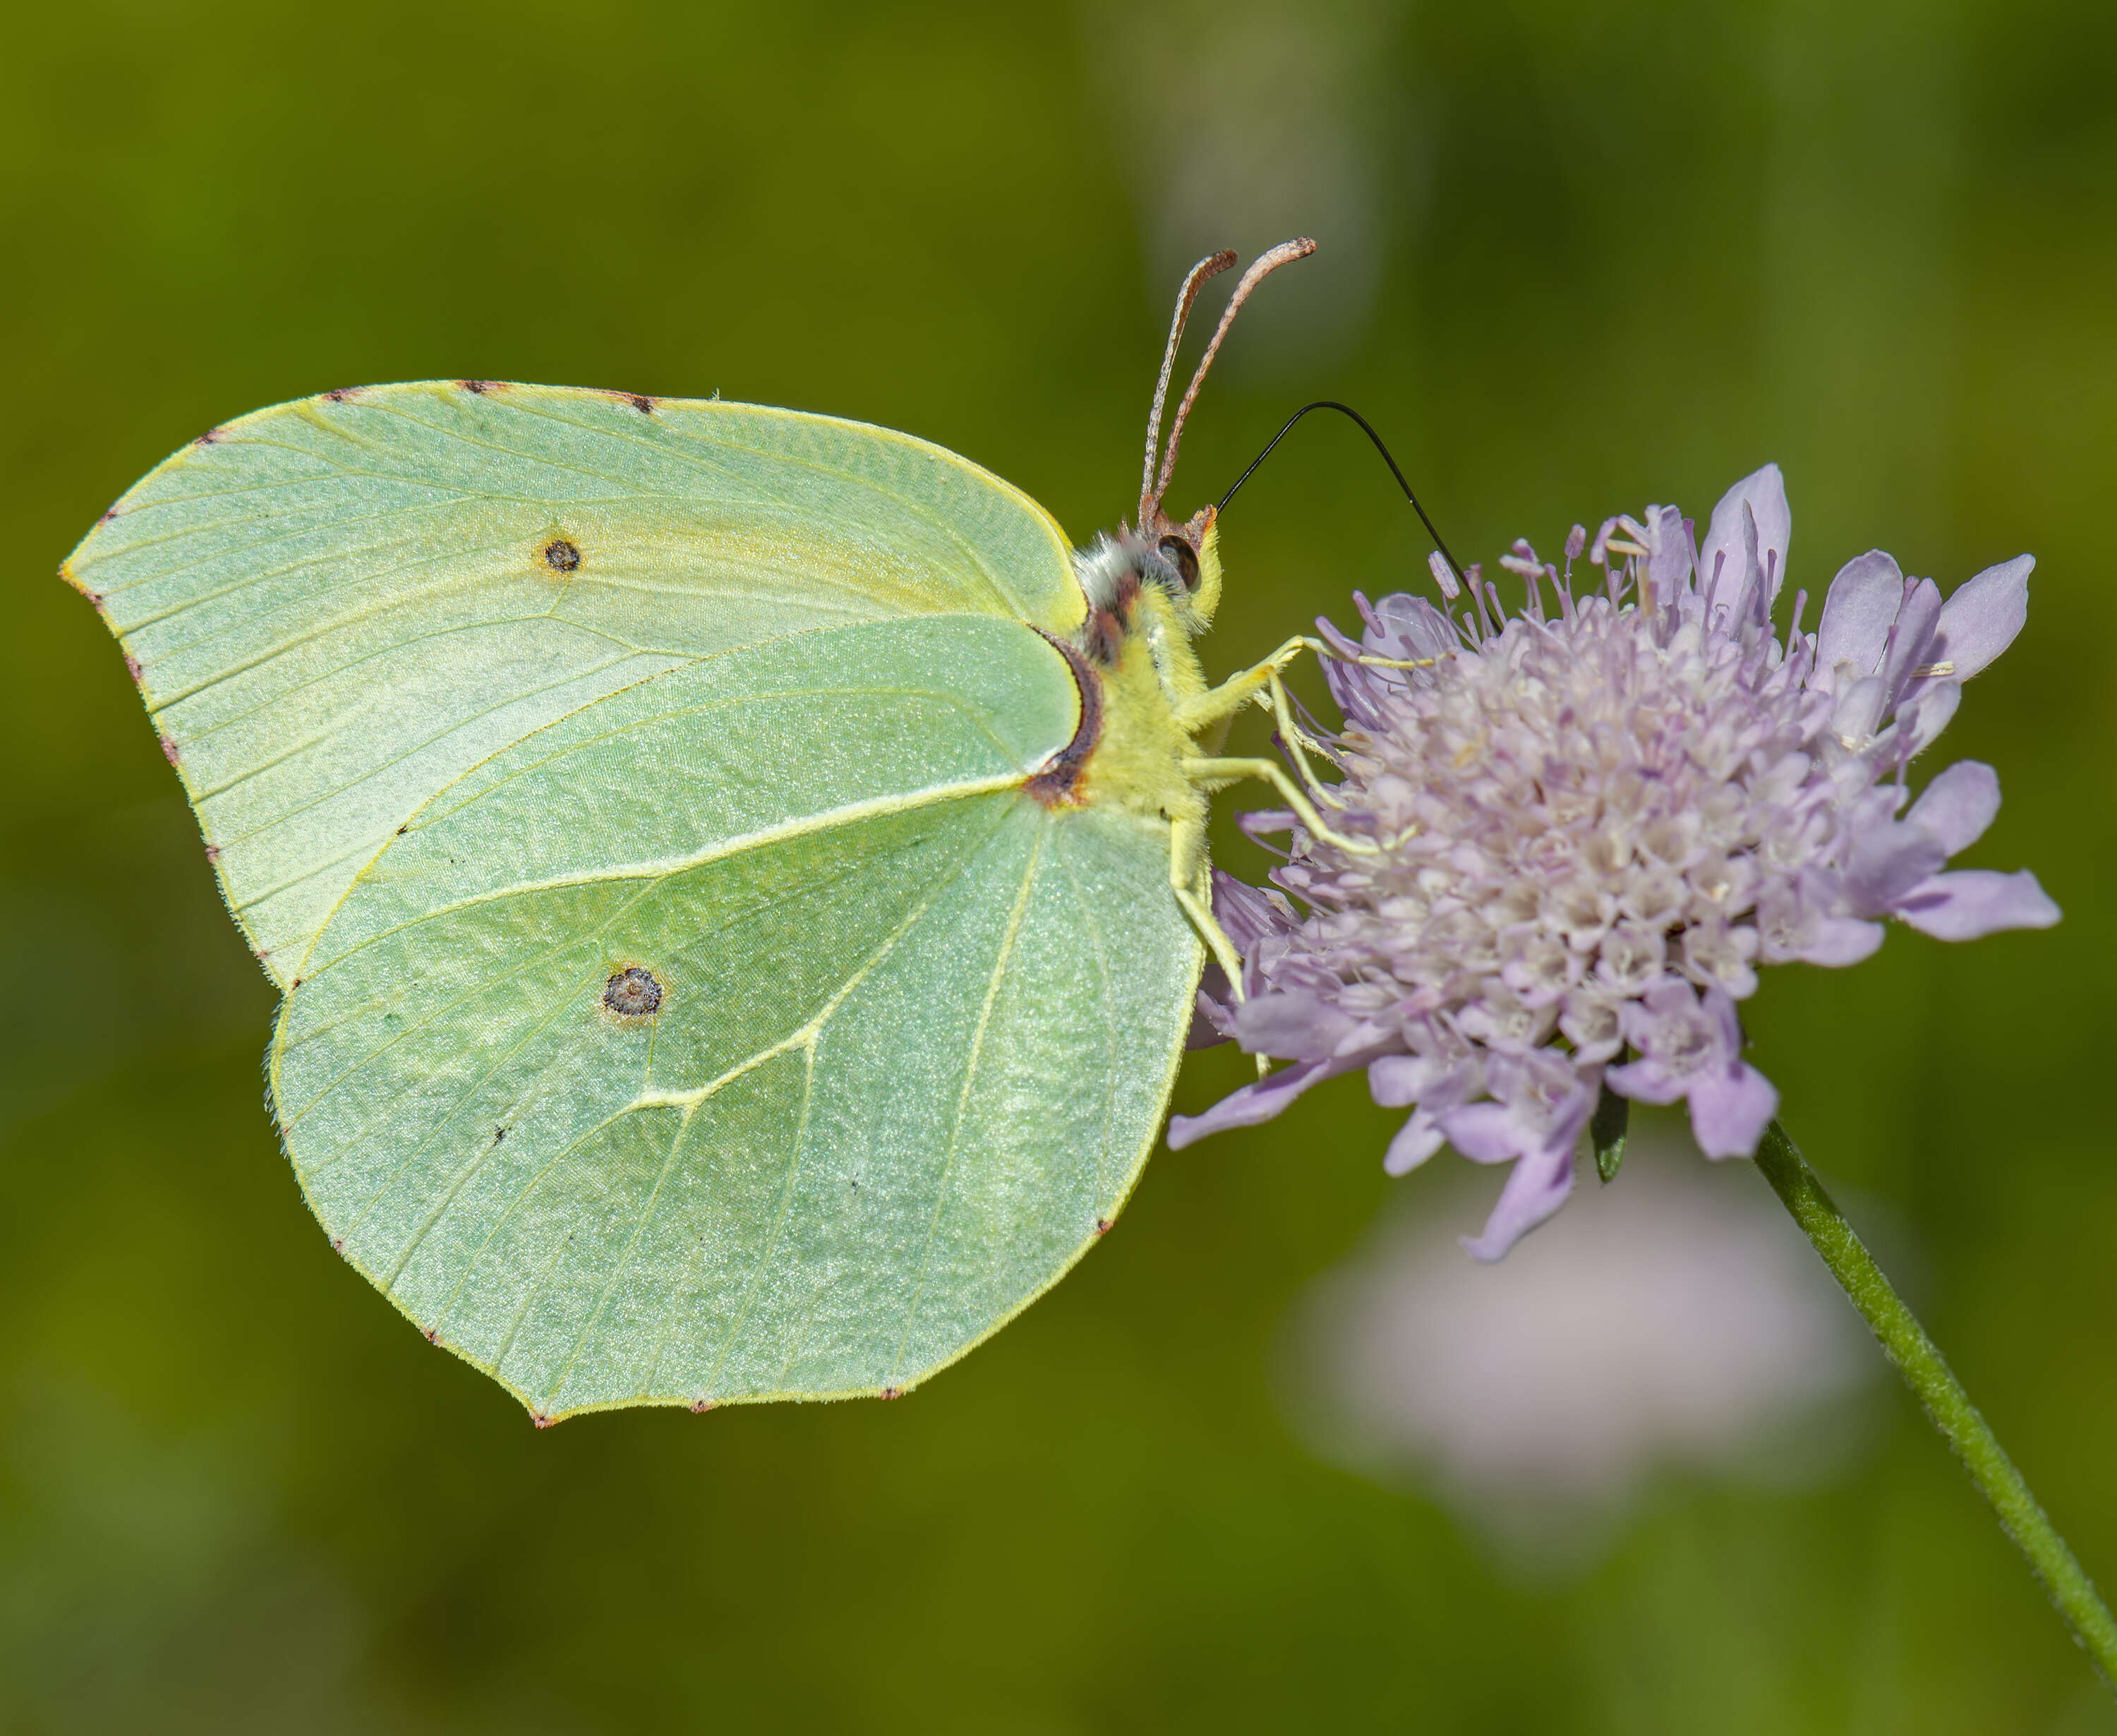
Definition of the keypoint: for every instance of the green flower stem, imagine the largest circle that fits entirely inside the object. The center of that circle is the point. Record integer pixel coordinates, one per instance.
(1941, 1393)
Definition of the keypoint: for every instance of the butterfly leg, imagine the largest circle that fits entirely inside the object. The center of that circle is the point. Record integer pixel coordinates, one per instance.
(1264, 684)
(1218, 773)
(1186, 879)
(1299, 745)
(1218, 704)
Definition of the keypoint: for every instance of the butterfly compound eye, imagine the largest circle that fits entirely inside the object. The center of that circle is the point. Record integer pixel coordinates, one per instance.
(633, 993)
(1185, 559)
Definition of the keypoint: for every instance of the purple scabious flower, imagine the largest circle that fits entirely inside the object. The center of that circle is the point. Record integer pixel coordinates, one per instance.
(1578, 835)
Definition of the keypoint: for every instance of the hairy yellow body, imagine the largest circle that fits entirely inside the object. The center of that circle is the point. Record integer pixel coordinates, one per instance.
(1157, 727)
(1155, 681)
(1161, 727)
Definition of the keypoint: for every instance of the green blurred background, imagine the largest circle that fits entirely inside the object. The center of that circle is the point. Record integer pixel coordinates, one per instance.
(1574, 260)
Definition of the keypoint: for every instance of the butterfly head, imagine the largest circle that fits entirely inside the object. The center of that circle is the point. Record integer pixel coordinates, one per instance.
(1170, 576)
(1162, 580)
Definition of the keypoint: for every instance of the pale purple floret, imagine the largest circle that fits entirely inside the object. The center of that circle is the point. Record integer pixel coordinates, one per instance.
(1584, 830)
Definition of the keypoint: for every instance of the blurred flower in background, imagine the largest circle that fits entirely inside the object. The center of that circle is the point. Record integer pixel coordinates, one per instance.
(1672, 1322)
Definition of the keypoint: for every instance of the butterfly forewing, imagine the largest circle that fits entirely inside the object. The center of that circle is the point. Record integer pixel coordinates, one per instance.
(338, 607)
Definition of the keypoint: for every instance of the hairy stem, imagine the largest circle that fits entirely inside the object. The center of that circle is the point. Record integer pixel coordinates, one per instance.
(1941, 1393)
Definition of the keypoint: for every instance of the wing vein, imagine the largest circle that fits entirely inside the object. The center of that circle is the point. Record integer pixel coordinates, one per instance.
(1008, 940)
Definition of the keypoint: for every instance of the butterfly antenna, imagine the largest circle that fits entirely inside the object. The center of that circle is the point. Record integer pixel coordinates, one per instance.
(1285, 253)
(1212, 265)
(1367, 428)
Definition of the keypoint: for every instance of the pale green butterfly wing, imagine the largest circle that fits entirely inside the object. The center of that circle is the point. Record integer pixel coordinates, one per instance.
(337, 607)
(914, 1029)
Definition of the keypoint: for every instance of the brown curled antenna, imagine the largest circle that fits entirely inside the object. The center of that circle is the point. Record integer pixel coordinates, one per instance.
(1212, 265)
(1285, 253)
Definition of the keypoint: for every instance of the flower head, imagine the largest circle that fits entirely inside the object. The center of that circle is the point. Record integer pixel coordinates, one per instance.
(1566, 841)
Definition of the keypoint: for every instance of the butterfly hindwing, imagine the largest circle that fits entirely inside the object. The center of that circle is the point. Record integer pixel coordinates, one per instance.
(910, 1034)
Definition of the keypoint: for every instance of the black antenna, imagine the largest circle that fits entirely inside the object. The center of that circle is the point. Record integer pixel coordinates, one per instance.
(1346, 409)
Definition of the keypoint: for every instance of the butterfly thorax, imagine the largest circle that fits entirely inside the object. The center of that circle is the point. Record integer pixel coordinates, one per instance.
(1146, 604)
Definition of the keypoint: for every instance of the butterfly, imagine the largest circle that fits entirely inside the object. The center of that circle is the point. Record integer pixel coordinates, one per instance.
(737, 878)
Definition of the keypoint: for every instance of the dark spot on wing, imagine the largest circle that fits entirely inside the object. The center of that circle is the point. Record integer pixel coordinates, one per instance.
(633, 993)
(1058, 781)
(560, 556)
